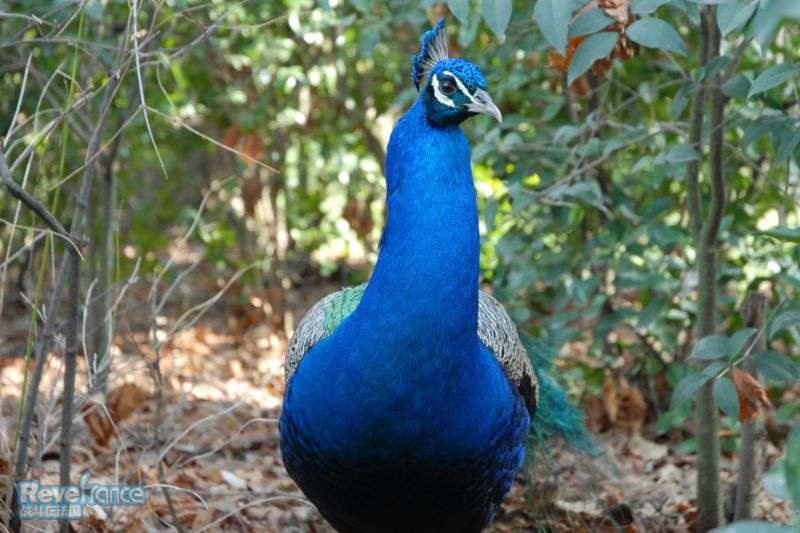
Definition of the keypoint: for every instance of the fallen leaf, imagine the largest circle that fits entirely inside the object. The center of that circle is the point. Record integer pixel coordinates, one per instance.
(124, 400)
(625, 404)
(233, 480)
(120, 404)
(751, 395)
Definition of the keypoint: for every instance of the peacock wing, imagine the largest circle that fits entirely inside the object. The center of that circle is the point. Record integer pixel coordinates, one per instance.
(495, 329)
(499, 333)
(319, 322)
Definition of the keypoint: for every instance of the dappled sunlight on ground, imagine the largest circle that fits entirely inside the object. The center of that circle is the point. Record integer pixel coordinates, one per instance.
(218, 441)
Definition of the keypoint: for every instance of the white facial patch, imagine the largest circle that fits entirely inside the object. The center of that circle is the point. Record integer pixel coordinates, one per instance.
(461, 87)
(443, 98)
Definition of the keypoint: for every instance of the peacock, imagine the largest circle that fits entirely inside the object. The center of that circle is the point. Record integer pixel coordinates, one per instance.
(411, 399)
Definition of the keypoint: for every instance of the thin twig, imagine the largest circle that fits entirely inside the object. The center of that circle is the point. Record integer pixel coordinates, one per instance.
(19, 100)
(32, 203)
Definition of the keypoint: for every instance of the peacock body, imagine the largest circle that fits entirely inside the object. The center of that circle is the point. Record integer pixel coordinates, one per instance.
(409, 400)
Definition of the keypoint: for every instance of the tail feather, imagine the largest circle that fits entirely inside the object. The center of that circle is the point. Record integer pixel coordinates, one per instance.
(556, 416)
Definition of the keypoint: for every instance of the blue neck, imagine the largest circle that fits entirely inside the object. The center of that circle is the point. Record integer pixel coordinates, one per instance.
(426, 277)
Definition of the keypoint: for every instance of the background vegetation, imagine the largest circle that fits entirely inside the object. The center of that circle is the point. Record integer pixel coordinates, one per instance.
(639, 203)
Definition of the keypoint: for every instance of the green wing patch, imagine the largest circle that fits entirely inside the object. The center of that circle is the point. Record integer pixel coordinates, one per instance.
(341, 305)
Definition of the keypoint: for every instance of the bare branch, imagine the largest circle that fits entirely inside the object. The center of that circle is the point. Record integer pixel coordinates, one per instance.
(32, 203)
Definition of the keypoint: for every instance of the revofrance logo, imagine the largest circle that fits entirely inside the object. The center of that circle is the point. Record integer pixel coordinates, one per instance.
(66, 502)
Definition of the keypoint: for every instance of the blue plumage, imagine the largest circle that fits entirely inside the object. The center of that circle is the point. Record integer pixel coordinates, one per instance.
(402, 419)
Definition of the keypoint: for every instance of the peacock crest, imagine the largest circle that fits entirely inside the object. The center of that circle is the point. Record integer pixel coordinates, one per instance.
(433, 48)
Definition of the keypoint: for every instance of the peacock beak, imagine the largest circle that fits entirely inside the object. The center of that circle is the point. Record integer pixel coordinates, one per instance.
(482, 103)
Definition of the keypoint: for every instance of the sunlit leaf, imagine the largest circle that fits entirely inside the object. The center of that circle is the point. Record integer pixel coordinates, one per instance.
(772, 77)
(459, 9)
(769, 16)
(553, 17)
(497, 13)
(645, 7)
(733, 15)
(595, 47)
(655, 33)
(592, 21)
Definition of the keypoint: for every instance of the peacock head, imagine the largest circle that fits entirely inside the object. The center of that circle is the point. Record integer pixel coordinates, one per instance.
(451, 89)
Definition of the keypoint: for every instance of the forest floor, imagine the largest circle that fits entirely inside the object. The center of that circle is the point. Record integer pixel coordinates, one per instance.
(218, 437)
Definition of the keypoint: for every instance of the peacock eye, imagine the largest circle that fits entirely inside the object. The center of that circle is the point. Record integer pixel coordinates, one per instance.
(447, 87)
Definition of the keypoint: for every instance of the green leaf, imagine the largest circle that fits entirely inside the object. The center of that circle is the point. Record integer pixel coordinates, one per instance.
(787, 319)
(777, 367)
(655, 33)
(772, 77)
(592, 49)
(734, 15)
(565, 134)
(645, 7)
(497, 13)
(713, 369)
(692, 11)
(553, 17)
(459, 9)
(587, 192)
(783, 234)
(652, 312)
(712, 69)
(789, 139)
(791, 466)
(687, 387)
(737, 87)
(681, 100)
(774, 481)
(712, 347)
(592, 21)
(769, 17)
(469, 28)
(753, 526)
(739, 340)
(726, 397)
(681, 153)
(757, 129)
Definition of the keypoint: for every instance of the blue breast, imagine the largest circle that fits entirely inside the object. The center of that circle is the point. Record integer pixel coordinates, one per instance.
(402, 420)
(394, 458)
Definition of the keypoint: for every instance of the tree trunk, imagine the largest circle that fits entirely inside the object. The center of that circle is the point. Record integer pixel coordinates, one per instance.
(749, 456)
(706, 233)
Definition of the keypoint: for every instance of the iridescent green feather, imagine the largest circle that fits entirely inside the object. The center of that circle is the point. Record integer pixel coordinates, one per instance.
(555, 416)
(341, 305)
